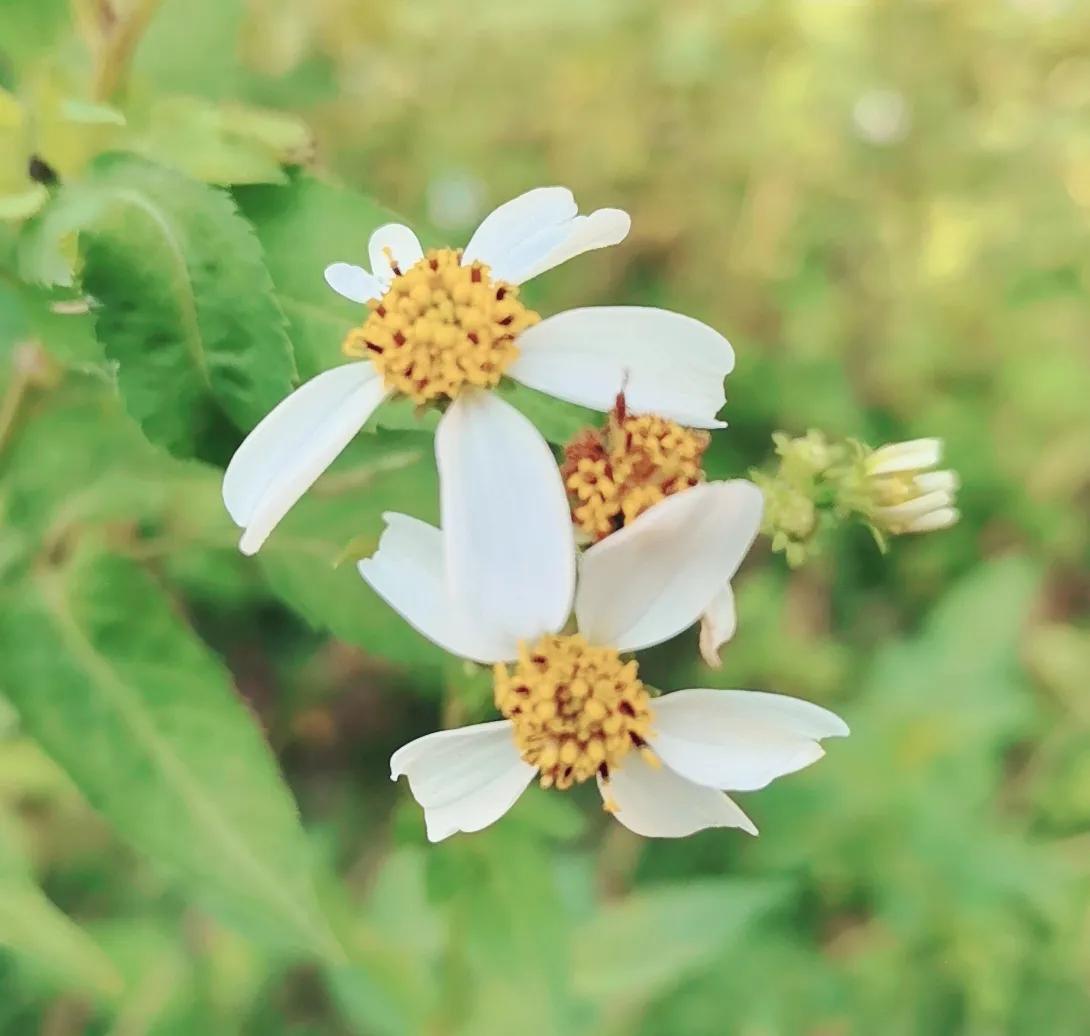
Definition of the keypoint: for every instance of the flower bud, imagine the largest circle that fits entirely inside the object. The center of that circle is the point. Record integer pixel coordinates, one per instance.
(903, 493)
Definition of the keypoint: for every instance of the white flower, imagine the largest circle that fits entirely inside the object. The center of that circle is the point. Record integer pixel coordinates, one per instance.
(573, 707)
(906, 495)
(447, 326)
(617, 475)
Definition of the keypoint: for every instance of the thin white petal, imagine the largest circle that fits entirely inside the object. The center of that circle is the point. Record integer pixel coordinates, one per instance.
(353, 282)
(917, 507)
(294, 443)
(393, 243)
(931, 481)
(657, 803)
(654, 578)
(717, 626)
(667, 363)
(555, 245)
(739, 740)
(465, 779)
(941, 519)
(913, 455)
(408, 572)
(514, 222)
(507, 529)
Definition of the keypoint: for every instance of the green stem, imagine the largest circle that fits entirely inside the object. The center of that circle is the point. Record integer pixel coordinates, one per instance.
(118, 38)
(13, 401)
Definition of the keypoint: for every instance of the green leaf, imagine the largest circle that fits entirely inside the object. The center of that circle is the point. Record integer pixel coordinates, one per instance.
(691, 922)
(309, 561)
(77, 463)
(216, 143)
(303, 228)
(514, 932)
(144, 719)
(36, 931)
(185, 305)
(558, 421)
(392, 986)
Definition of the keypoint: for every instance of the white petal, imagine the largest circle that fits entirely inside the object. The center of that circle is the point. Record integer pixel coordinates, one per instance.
(914, 455)
(465, 779)
(917, 507)
(740, 740)
(516, 221)
(393, 243)
(941, 519)
(407, 571)
(668, 364)
(353, 282)
(506, 525)
(930, 481)
(653, 578)
(558, 244)
(717, 626)
(294, 443)
(658, 803)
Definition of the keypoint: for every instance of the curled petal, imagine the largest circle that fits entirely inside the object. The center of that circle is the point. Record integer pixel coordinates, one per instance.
(717, 626)
(465, 779)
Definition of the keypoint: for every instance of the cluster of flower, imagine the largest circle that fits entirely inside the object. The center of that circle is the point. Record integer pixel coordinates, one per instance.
(551, 573)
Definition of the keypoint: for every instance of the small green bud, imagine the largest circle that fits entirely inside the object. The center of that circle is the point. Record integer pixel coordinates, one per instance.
(893, 489)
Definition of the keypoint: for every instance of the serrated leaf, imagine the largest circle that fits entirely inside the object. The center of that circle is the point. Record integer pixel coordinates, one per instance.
(38, 932)
(303, 228)
(184, 303)
(145, 721)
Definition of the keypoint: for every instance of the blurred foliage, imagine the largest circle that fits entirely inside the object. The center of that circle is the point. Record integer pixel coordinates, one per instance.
(884, 205)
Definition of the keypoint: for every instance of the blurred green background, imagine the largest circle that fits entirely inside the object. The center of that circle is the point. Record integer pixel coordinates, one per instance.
(885, 206)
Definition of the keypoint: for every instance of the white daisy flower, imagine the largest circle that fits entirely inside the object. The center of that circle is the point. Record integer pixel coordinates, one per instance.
(617, 475)
(907, 494)
(446, 326)
(573, 707)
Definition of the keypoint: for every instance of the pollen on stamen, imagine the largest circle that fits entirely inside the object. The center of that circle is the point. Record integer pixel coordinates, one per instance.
(616, 473)
(441, 326)
(576, 710)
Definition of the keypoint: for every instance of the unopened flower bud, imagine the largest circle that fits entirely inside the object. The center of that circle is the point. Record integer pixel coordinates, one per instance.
(904, 494)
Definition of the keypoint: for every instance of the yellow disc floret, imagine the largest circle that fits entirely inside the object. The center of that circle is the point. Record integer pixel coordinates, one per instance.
(577, 710)
(441, 325)
(614, 475)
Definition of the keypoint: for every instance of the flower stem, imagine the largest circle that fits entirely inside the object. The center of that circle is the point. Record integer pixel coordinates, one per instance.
(116, 38)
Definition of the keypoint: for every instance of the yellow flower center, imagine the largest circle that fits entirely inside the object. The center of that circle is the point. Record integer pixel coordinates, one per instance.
(440, 326)
(577, 710)
(614, 475)
(898, 488)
